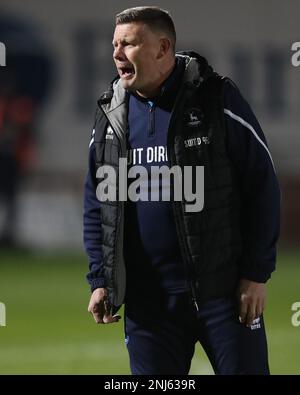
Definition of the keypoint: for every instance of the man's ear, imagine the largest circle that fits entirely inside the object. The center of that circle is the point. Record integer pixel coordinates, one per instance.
(165, 45)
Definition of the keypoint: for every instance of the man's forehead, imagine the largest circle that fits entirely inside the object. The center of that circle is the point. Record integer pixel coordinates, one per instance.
(126, 30)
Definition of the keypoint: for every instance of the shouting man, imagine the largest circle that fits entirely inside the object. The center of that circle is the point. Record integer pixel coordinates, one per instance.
(183, 275)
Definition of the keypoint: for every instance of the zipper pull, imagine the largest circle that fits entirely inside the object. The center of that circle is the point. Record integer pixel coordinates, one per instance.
(195, 304)
(194, 299)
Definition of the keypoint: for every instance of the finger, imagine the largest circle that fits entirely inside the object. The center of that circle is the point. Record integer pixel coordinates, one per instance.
(98, 312)
(258, 312)
(109, 319)
(243, 309)
(90, 307)
(259, 309)
(251, 314)
(92, 304)
(98, 318)
(106, 307)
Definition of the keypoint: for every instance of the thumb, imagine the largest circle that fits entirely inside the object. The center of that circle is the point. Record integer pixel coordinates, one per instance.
(109, 319)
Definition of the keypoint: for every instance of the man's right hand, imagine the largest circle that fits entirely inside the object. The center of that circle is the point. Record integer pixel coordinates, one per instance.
(100, 308)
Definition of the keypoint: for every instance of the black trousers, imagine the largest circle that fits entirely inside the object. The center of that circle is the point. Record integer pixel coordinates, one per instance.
(161, 339)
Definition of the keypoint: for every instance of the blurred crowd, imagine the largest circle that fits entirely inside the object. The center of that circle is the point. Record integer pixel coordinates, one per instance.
(17, 151)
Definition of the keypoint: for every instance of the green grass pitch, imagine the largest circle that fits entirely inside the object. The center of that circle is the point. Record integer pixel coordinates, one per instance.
(48, 329)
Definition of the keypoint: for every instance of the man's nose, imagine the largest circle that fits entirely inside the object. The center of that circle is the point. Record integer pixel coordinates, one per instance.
(119, 53)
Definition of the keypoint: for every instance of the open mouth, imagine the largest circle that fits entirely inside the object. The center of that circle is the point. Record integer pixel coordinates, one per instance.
(126, 71)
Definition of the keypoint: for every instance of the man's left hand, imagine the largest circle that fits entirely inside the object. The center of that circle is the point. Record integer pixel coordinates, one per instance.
(251, 297)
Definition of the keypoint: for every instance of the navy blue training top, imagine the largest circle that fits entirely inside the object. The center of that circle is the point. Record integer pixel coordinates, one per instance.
(151, 249)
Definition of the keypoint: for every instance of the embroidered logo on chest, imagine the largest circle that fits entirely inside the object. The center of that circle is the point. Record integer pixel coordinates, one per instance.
(196, 141)
(109, 134)
(194, 117)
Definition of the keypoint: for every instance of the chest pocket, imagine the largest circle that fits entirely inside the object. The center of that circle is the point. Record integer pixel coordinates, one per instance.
(198, 136)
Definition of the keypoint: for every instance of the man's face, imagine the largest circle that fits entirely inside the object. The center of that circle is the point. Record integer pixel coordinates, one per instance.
(136, 50)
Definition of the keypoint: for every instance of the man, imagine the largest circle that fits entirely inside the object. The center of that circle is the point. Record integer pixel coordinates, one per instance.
(184, 276)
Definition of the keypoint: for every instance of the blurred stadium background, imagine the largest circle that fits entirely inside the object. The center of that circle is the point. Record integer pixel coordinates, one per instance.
(58, 62)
